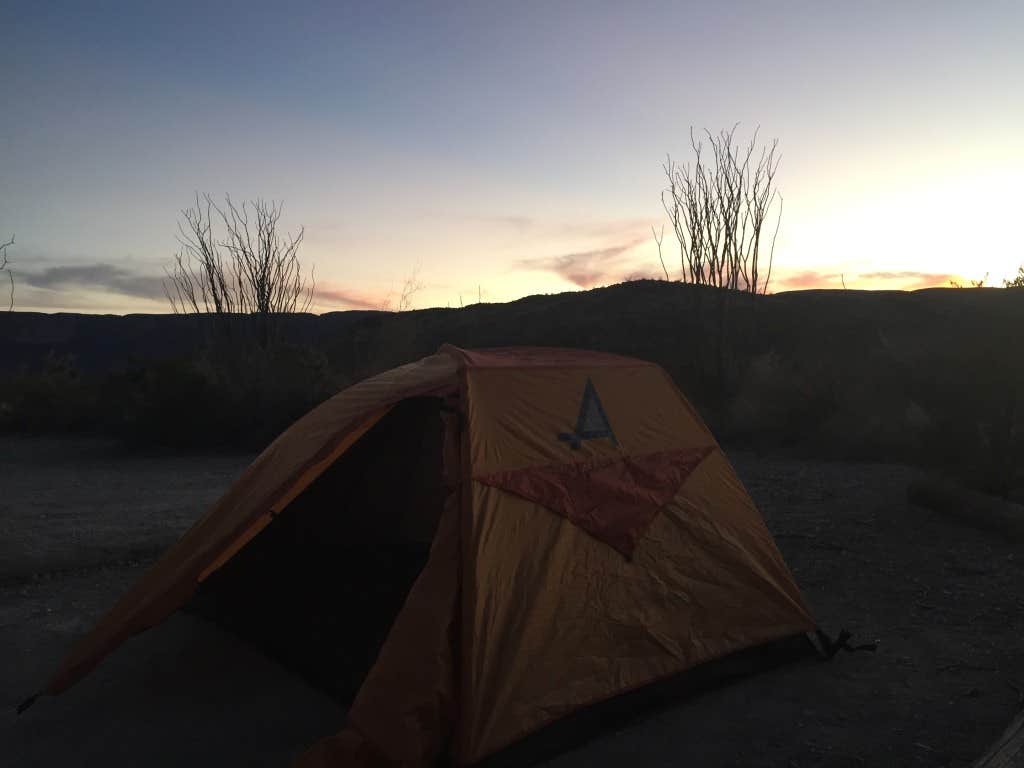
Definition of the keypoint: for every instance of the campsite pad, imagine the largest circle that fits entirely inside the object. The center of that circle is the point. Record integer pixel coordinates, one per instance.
(946, 602)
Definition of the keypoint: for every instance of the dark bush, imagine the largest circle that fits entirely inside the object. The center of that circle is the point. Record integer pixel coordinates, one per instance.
(55, 397)
(779, 401)
(223, 396)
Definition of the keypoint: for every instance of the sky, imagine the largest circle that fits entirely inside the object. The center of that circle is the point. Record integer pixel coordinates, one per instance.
(497, 150)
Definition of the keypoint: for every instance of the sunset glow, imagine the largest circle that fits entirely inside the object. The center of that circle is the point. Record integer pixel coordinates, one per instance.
(501, 153)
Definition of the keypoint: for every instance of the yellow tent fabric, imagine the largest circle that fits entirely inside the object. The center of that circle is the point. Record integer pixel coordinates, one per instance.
(595, 540)
(277, 475)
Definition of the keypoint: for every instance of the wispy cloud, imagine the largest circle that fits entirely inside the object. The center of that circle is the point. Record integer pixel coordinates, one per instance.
(911, 280)
(60, 284)
(805, 279)
(104, 277)
(895, 280)
(588, 269)
(346, 298)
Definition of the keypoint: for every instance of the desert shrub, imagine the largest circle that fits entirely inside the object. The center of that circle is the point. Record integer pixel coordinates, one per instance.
(977, 432)
(876, 417)
(826, 406)
(169, 402)
(252, 268)
(719, 206)
(997, 465)
(222, 397)
(237, 396)
(779, 402)
(54, 397)
(713, 349)
(879, 425)
(956, 446)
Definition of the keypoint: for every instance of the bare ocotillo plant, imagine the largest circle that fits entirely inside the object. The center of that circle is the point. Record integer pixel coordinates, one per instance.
(719, 206)
(252, 269)
(5, 267)
(410, 288)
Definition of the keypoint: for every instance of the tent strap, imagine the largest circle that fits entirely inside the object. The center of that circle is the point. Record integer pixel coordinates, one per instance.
(28, 702)
(829, 647)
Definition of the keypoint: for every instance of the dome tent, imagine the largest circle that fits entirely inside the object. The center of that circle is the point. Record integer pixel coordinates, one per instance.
(473, 547)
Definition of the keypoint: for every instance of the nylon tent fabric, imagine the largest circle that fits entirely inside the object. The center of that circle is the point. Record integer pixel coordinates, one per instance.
(595, 540)
(614, 500)
(550, 617)
(278, 474)
(537, 357)
(578, 621)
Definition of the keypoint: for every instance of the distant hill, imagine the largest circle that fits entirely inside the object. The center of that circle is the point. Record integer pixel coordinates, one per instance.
(645, 318)
(855, 372)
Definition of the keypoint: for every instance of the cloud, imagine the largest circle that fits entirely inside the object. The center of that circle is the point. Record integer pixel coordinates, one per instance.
(105, 277)
(892, 280)
(808, 278)
(916, 279)
(587, 269)
(110, 278)
(350, 299)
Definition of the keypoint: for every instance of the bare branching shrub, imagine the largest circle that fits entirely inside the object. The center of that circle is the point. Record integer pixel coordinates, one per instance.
(969, 283)
(410, 288)
(5, 267)
(719, 206)
(252, 269)
(659, 238)
(778, 397)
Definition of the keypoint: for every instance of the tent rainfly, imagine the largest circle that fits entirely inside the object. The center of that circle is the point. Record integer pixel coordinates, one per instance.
(472, 549)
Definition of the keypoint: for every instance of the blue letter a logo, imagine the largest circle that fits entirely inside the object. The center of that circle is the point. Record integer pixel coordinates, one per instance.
(591, 422)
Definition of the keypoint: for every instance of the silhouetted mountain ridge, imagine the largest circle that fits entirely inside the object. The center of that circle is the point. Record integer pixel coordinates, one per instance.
(866, 373)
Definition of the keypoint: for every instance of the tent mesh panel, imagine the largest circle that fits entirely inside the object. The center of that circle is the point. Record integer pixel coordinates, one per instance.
(318, 589)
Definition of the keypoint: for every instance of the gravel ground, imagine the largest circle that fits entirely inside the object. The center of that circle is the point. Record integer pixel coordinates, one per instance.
(79, 521)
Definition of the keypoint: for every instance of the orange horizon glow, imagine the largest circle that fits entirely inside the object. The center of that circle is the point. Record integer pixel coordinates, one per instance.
(501, 152)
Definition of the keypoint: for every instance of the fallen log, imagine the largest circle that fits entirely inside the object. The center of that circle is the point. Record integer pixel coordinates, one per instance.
(1008, 751)
(974, 508)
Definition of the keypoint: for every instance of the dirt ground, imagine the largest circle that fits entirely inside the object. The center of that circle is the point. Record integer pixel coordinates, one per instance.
(80, 520)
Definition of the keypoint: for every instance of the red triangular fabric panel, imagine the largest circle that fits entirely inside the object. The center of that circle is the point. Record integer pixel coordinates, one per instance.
(614, 500)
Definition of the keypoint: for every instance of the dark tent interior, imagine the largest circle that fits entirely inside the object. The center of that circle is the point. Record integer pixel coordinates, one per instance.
(318, 589)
